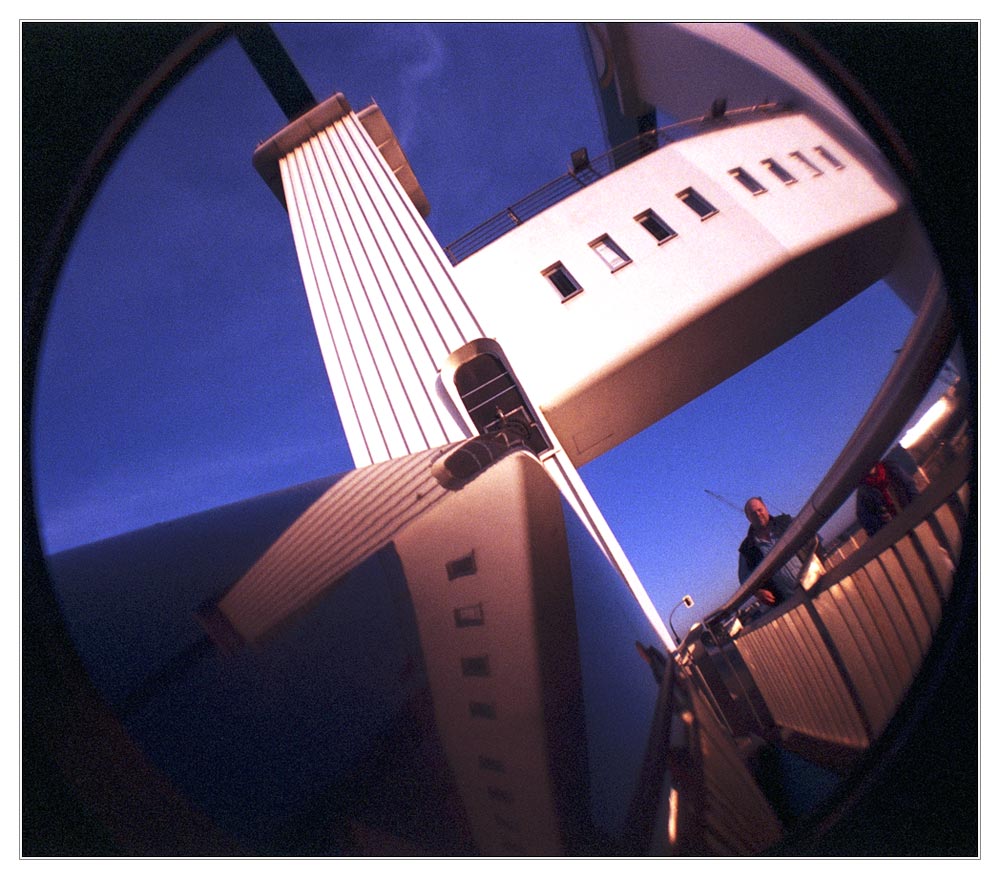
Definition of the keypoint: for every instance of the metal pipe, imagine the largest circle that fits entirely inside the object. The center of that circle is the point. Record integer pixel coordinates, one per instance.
(925, 351)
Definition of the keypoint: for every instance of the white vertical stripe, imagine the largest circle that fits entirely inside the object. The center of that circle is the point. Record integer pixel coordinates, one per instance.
(343, 257)
(388, 235)
(378, 215)
(341, 366)
(417, 347)
(435, 280)
(386, 309)
(400, 373)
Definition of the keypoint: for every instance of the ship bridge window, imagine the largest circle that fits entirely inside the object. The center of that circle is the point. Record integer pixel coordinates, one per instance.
(470, 615)
(495, 402)
(801, 157)
(562, 280)
(610, 252)
(654, 225)
(475, 666)
(832, 159)
(698, 203)
(491, 764)
(463, 567)
(748, 180)
(507, 823)
(485, 710)
(778, 171)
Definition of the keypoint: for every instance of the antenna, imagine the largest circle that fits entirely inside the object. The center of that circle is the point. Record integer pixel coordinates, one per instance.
(726, 501)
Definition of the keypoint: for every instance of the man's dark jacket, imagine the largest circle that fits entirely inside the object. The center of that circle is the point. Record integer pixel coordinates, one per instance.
(752, 553)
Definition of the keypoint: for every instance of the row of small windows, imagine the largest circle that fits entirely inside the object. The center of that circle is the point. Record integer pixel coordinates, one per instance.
(466, 616)
(612, 253)
(478, 666)
(615, 257)
(782, 173)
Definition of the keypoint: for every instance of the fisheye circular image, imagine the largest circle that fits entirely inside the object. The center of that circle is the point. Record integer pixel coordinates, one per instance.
(519, 440)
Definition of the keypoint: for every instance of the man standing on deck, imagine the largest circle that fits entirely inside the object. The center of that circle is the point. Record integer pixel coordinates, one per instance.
(764, 532)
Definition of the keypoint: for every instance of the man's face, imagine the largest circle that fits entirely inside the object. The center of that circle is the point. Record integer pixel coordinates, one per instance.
(757, 513)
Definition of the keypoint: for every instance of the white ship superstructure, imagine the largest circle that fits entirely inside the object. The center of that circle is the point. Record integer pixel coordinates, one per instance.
(389, 314)
(595, 317)
(440, 657)
(658, 281)
(614, 306)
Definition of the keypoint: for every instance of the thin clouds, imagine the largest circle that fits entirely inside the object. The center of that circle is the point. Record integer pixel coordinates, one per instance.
(418, 57)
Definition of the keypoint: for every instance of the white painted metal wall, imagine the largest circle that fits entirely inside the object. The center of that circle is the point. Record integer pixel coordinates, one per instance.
(386, 308)
(640, 341)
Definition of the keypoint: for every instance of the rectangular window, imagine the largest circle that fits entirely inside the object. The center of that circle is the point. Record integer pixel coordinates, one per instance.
(801, 157)
(698, 203)
(483, 709)
(779, 172)
(610, 252)
(562, 280)
(476, 666)
(507, 823)
(471, 615)
(491, 764)
(830, 157)
(515, 848)
(463, 567)
(748, 180)
(651, 222)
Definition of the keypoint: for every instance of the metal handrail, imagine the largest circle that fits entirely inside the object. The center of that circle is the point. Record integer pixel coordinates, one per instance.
(596, 169)
(927, 347)
(945, 485)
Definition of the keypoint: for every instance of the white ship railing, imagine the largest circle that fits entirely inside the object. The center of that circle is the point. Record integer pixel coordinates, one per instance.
(826, 671)
(586, 171)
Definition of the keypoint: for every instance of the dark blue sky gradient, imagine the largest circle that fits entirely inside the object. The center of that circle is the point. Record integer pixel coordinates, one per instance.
(180, 370)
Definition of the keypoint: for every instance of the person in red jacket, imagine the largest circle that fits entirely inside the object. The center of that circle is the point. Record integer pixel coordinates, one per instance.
(883, 493)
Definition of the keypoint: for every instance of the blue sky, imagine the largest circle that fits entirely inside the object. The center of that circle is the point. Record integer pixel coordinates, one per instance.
(180, 370)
